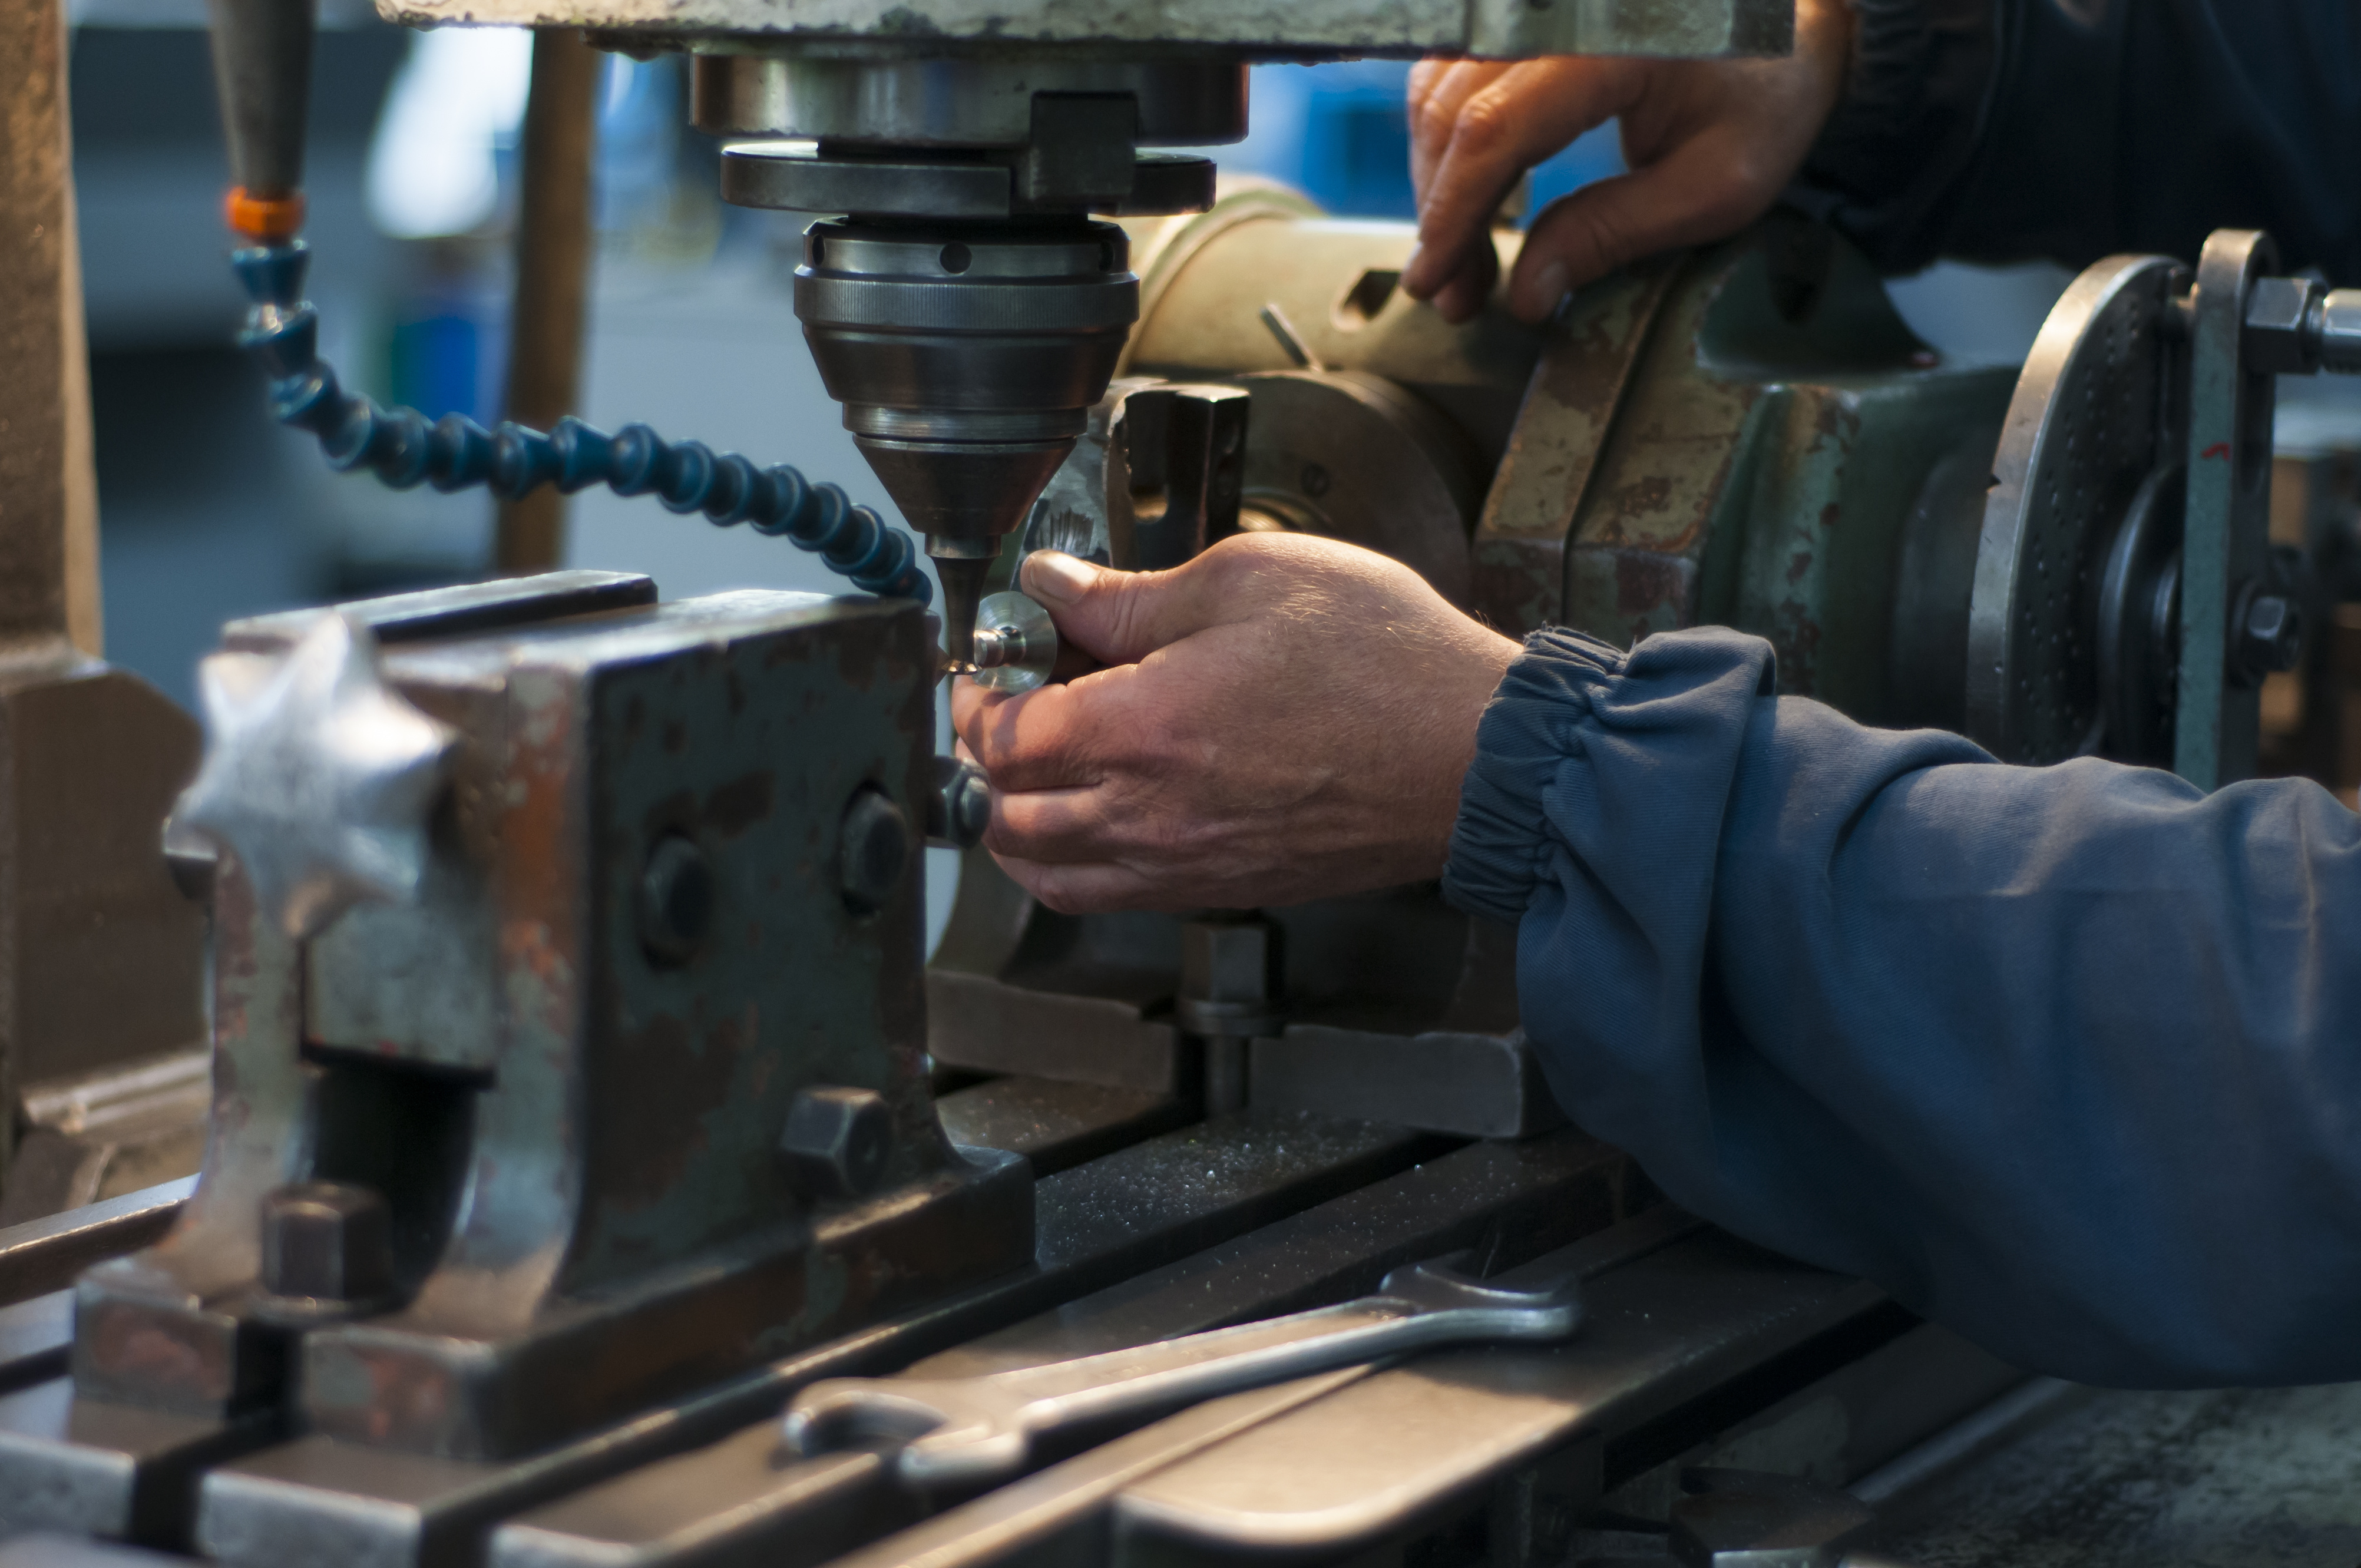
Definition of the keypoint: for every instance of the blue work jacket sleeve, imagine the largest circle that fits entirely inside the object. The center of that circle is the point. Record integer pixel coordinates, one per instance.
(2067, 1059)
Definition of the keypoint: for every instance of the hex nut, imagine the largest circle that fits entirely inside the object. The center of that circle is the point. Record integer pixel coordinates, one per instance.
(959, 809)
(2271, 634)
(675, 900)
(873, 851)
(2281, 338)
(327, 1241)
(838, 1141)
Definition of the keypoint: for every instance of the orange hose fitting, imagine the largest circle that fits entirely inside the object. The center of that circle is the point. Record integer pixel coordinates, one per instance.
(264, 220)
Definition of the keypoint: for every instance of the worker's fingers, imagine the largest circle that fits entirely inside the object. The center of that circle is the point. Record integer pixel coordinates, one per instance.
(1119, 617)
(1502, 127)
(1463, 296)
(1029, 740)
(1704, 187)
(1437, 89)
(1113, 723)
(1086, 889)
(1060, 826)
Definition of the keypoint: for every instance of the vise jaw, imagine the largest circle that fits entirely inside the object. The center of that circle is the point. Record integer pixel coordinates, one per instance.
(621, 1086)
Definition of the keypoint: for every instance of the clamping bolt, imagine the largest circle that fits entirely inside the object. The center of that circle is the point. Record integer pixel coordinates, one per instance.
(873, 851)
(959, 809)
(838, 1141)
(675, 900)
(2269, 635)
(2295, 326)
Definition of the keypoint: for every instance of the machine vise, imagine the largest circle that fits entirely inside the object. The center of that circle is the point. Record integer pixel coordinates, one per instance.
(569, 1045)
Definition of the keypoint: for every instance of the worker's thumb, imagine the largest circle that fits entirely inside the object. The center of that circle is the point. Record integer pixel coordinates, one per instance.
(1117, 617)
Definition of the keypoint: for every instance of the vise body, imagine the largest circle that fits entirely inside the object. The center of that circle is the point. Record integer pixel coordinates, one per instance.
(631, 1094)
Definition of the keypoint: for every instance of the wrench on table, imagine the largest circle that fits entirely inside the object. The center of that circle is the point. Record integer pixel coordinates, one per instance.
(965, 1431)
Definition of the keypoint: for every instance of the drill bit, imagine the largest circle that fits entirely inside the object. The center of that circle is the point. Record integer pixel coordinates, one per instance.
(962, 578)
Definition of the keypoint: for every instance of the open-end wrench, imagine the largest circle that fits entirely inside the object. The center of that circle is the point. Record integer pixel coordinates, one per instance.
(964, 1432)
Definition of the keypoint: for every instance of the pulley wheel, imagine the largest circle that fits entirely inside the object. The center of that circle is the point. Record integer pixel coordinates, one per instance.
(2088, 431)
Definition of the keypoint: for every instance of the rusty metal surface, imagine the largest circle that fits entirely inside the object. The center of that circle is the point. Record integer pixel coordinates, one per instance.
(1588, 355)
(367, 1505)
(629, 1233)
(1777, 431)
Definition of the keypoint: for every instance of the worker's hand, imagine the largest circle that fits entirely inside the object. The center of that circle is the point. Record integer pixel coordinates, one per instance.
(1283, 718)
(1710, 145)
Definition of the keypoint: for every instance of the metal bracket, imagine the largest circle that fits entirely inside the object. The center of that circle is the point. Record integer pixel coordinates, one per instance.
(2225, 531)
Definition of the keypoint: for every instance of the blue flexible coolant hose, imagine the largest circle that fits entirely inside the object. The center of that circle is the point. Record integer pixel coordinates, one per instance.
(404, 448)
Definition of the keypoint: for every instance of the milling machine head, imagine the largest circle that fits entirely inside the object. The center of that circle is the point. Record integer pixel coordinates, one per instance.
(967, 356)
(970, 307)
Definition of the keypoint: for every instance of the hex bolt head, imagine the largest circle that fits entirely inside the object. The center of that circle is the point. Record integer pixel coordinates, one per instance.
(2271, 635)
(873, 851)
(675, 900)
(1231, 976)
(2282, 337)
(328, 1241)
(959, 809)
(837, 1141)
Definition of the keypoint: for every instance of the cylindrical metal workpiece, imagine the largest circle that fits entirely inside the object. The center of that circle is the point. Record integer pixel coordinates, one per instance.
(2340, 331)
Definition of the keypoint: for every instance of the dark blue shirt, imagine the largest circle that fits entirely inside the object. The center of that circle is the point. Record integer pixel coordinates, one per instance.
(2002, 130)
(2067, 1059)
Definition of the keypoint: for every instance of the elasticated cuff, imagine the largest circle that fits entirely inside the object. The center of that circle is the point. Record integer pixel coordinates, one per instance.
(1500, 848)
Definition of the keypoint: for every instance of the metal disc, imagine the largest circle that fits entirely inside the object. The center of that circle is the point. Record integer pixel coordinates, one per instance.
(2139, 623)
(1013, 615)
(2085, 430)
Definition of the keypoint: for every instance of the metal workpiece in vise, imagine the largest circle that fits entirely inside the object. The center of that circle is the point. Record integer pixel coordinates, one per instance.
(570, 1035)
